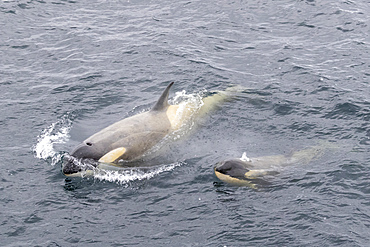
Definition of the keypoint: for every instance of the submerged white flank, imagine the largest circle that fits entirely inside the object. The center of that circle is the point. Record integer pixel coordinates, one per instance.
(183, 112)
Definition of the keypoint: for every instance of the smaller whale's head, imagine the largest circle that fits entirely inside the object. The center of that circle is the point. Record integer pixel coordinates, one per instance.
(234, 168)
(83, 157)
(241, 173)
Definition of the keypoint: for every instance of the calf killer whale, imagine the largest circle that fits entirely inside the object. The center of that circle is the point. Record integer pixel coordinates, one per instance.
(251, 171)
(129, 139)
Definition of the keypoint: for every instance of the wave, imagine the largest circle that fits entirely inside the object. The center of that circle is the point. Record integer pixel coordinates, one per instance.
(126, 175)
(56, 133)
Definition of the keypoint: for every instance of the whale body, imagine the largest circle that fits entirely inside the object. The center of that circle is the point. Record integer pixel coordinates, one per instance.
(129, 139)
(246, 171)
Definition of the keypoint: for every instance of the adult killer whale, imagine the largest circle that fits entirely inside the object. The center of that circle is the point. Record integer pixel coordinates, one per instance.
(129, 139)
(252, 171)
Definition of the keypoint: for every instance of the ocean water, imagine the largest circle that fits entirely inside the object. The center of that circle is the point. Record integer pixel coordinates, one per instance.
(71, 68)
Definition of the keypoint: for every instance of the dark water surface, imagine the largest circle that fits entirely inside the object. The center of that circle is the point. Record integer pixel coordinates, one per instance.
(70, 68)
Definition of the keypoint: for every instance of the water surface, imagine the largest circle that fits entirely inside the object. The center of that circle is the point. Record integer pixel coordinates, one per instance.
(71, 68)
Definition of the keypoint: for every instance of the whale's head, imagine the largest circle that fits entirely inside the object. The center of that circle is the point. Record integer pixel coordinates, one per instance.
(234, 172)
(242, 172)
(234, 168)
(83, 157)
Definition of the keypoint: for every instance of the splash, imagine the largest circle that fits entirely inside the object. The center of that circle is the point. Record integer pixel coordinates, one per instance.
(245, 158)
(124, 176)
(56, 133)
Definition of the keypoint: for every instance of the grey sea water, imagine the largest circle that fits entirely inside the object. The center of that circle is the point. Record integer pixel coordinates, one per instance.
(71, 68)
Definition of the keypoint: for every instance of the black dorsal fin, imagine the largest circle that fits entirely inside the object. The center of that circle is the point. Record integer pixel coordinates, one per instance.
(162, 103)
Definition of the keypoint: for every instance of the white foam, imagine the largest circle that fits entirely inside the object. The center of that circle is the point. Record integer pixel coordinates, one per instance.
(245, 157)
(56, 133)
(125, 176)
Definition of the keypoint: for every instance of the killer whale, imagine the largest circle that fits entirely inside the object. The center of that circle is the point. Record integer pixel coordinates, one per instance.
(249, 172)
(130, 138)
